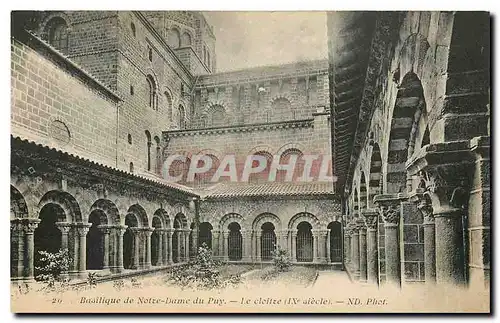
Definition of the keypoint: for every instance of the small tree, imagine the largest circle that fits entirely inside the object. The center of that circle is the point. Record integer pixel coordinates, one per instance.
(280, 259)
(52, 265)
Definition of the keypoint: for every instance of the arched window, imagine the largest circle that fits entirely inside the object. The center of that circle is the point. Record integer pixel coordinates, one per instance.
(132, 27)
(150, 54)
(217, 117)
(173, 38)
(57, 33)
(168, 104)
(281, 110)
(235, 242)
(181, 117)
(158, 155)
(208, 59)
(186, 39)
(131, 167)
(148, 148)
(153, 100)
(287, 158)
(263, 176)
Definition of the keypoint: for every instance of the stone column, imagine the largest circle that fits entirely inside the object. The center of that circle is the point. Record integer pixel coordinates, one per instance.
(179, 234)
(148, 232)
(225, 250)
(106, 230)
(64, 227)
(215, 244)
(347, 244)
(120, 231)
(83, 229)
(424, 205)
(194, 240)
(187, 242)
(371, 221)
(17, 248)
(294, 245)
(315, 234)
(29, 226)
(247, 236)
(159, 249)
(328, 247)
(363, 276)
(444, 172)
(259, 246)
(390, 210)
(355, 249)
(283, 239)
(322, 245)
(137, 240)
(169, 246)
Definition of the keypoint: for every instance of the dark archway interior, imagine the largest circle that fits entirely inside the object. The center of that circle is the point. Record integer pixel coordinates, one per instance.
(235, 248)
(95, 241)
(205, 234)
(335, 241)
(304, 242)
(47, 236)
(155, 242)
(267, 241)
(128, 241)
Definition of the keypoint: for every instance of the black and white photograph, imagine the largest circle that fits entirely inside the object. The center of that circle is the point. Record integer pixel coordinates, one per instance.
(250, 161)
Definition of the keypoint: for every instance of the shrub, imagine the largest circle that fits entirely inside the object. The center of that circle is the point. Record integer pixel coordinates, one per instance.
(51, 265)
(92, 279)
(280, 259)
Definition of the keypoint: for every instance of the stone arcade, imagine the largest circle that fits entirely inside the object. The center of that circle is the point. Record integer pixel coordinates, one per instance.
(100, 100)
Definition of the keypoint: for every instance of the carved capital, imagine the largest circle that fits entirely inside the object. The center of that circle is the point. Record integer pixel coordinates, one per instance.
(423, 203)
(389, 206)
(64, 227)
(106, 229)
(371, 218)
(27, 225)
(82, 229)
(360, 224)
(120, 229)
(444, 170)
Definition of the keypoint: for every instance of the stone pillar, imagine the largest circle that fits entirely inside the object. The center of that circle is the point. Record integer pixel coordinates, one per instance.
(355, 250)
(83, 229)
(315, 235)
(371, 221)
(17, 248)
(188, 244)
(120, 231)
(215, 244)
(179, 234)
(363, 275)
(283, 239)
(444, 172)
(148, 232)
(159, 249)
(247, 240)
(294, 245)
(347, 244)
(29, 226)
(258, 237)
(328, 247)
(194, 246)
(106, 230)
(64, 227)
(169, 246)
(390, 211)
(225, 250)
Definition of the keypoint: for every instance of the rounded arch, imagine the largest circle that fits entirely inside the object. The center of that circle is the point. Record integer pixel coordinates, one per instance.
(173, 38)
(186, 39)
(262, 148)
(66, 202)
(152, 91)
(304, 217)
(180, 221)
(335, 242)
(169, 103)
(266, 217)
(229, 218)
(291, 146)
(56, 30)
(375, 177)
(140, 215)
(363, 198)
(216, 116)
(18, 206)
(281, 109)
(409, 104)
(162, 216)
(205, 234)
(181, 117)
(412, 55)
(109, 209)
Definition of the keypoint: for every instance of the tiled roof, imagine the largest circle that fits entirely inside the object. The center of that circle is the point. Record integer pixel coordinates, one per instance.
(149, 179)
(229, 190)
